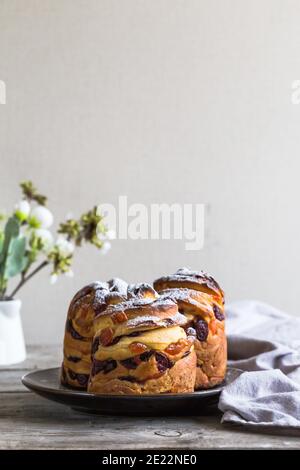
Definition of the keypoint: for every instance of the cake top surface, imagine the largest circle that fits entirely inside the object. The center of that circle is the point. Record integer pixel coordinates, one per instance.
(142, 306)
(188, 276)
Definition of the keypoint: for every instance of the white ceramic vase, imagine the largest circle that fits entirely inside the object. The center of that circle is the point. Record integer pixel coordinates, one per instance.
(12, 344)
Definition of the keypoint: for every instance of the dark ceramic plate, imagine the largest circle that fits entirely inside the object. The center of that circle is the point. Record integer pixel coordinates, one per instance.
(46, 383)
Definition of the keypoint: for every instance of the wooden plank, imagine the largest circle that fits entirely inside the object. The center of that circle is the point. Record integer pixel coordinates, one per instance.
(38, 357)
(31, 422)
(10, 381)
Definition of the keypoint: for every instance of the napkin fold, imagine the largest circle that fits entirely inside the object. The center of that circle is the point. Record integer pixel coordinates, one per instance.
(264, 358)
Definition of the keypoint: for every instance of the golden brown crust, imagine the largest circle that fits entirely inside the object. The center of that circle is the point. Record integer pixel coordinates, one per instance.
(73, 379)
(140, 347)
(142, 306)
(201, 300)
(122, 339)
(211, 360)
(79, 330)
(136, 315)
(141, 290)
(193, 302)
(88, 303)
(186, 278)
(178, 379)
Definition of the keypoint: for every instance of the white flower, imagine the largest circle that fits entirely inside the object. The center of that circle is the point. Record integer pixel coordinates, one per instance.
(53, 278)
(105, 248)
(65, 247)
(42, 216)
(99, 210)
(69, 273)
(107, 235)
(111, 234)
(46, 237)
(22, 209)
(99, 231)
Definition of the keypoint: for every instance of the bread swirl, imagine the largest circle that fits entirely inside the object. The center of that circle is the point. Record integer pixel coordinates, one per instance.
(201, 300)
(79, 330)
(139, 339)
(140, 347)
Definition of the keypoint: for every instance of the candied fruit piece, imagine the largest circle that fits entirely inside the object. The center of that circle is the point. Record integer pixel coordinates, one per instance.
(119, 317)
(138, 348)
(176, 348)
(213, 326)
(106, 336)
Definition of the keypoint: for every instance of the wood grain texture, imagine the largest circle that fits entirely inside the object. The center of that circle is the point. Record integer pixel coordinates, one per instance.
(37, 358)
(31, 422)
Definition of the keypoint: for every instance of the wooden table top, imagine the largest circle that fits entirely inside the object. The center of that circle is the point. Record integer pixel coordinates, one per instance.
(28, 421)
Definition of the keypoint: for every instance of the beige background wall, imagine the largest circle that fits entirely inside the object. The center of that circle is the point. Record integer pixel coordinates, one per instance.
(162, 101)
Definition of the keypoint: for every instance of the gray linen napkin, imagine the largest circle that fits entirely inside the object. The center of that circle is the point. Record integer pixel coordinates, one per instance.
(264, 355)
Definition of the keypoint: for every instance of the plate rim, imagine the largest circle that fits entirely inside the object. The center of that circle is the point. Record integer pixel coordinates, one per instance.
(38, 387)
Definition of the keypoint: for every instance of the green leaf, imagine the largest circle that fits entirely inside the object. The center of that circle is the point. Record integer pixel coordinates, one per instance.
(16, 260)
(12, 227)
(1, 242)
(11, 231)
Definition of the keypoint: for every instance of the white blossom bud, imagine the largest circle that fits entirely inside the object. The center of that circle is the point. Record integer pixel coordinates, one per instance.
(65, 247)
(69, 273)
(42, 216)
(105, 248)
(99, 210)
(111, 234)
(46, 237)
(22, 209)
(107, 235)
(53, 278)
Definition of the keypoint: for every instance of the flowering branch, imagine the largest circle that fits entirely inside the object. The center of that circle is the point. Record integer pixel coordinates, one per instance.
(25, 279)
(26, 238)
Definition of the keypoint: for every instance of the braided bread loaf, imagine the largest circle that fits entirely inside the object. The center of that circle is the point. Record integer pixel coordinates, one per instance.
(79, 330)
(201, 300)
(140, 347)
(136, 339)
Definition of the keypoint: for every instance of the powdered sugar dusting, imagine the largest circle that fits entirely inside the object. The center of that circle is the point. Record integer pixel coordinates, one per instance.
(140, 303)
(187, 275)
(141, 290)
(145, 320)
(118, 285)
(142, 320)
(202, 302)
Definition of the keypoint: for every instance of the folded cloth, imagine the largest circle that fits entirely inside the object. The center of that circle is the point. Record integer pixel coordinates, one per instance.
(264, 358)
